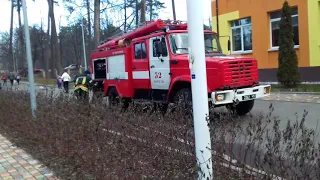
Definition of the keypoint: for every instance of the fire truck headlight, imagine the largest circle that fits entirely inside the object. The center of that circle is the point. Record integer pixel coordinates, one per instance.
(266, 90)
(220, 97)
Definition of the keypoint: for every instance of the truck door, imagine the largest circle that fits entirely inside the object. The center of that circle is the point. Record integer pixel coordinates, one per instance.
(159, 64)
(140, 66)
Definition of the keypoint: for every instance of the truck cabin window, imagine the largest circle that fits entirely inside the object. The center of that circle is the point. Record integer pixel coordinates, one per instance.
(156, 47)
(180, 43)
(140, 51)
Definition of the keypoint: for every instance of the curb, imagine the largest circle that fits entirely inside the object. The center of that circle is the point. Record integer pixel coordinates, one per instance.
(302, 93)
(283, 101)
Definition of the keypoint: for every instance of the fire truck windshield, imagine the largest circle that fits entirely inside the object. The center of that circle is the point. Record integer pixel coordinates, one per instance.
(179, 43)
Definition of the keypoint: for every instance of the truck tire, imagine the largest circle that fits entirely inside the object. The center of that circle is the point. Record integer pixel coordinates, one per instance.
(114, 98)
(244, 107)
(97, 96)
(183, 97)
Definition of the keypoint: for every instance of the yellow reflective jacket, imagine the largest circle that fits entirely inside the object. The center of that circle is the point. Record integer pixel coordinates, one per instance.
(83, 82)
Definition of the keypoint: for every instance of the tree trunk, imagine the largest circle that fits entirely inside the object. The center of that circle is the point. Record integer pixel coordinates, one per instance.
(96, 23)
(55, 60)
(61, 51)
(11, 39)
(34, 52)
(137, 13)
(41, 39)
(151, 6)
(21, 42)
(47, 45)
(143, 11)
(125, 16)
(89, 31)
(60, 47)
(52, 54)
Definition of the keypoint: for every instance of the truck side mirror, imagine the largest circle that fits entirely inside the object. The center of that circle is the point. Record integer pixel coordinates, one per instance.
(229, 45)
(159, 48)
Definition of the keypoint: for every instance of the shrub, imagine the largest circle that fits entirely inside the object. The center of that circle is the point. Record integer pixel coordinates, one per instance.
(95, 142)
(288, 73)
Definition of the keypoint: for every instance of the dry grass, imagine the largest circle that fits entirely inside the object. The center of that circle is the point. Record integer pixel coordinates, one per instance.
(91, 141)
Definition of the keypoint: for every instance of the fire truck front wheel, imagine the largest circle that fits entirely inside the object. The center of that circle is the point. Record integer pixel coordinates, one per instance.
(242, 108)
(183, 97)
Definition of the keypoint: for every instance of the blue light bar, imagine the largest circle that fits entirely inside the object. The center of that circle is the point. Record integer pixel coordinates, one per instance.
(170, 27)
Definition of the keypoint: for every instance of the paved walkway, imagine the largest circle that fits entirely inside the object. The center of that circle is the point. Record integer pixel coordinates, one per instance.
(306, 98)
(16, 164)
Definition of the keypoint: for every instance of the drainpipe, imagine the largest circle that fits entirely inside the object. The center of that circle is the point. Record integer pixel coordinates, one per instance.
(217, 16)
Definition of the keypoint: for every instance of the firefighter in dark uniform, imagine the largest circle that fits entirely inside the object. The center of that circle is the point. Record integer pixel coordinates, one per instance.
(82, 85)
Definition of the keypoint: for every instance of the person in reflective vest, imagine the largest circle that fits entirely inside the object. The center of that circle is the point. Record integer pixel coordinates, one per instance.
(82, 85)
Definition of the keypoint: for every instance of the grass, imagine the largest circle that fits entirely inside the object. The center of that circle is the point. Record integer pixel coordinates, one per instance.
(299, 88)
(42, 81)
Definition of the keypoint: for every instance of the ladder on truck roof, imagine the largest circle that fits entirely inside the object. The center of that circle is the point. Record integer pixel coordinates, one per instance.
(124, 32)
(123, 39)
(128, 30)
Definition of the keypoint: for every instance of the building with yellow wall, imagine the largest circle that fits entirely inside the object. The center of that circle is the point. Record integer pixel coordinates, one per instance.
(253, 27)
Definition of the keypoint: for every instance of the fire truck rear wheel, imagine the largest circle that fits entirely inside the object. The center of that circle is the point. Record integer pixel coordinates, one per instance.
(244, 107)
(114, 98)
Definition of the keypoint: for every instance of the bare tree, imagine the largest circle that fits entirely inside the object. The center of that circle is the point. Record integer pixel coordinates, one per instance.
(21, 42)
(143, 11)
(151, 9)
(48, 57)
(60, 45)
(55, 55)
(11, 39)
(42, 38)
(4, 48)
(96, 23)
(89, 23)
(125, 15)
(137, 12)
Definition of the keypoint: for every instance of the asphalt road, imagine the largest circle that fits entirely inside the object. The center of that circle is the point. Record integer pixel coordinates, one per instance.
(283, 111)
(288, 111)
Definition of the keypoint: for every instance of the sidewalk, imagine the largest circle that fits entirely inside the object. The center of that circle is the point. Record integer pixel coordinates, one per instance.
(16, 164)
(293, 97)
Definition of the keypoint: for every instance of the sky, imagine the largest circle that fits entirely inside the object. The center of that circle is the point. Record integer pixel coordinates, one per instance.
(38, 10)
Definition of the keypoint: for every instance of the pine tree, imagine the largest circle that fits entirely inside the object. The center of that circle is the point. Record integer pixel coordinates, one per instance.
(288, 72)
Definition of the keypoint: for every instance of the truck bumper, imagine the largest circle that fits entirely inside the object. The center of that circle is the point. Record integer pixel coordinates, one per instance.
(239, 95)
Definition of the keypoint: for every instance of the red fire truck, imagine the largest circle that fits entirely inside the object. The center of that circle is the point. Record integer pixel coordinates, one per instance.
(151, 64)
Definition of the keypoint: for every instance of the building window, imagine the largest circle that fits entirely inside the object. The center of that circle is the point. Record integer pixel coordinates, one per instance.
(241, 35)
(140, 51)
(275, 27)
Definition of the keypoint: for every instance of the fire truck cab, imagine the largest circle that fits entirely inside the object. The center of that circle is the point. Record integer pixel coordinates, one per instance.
(151, 64)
